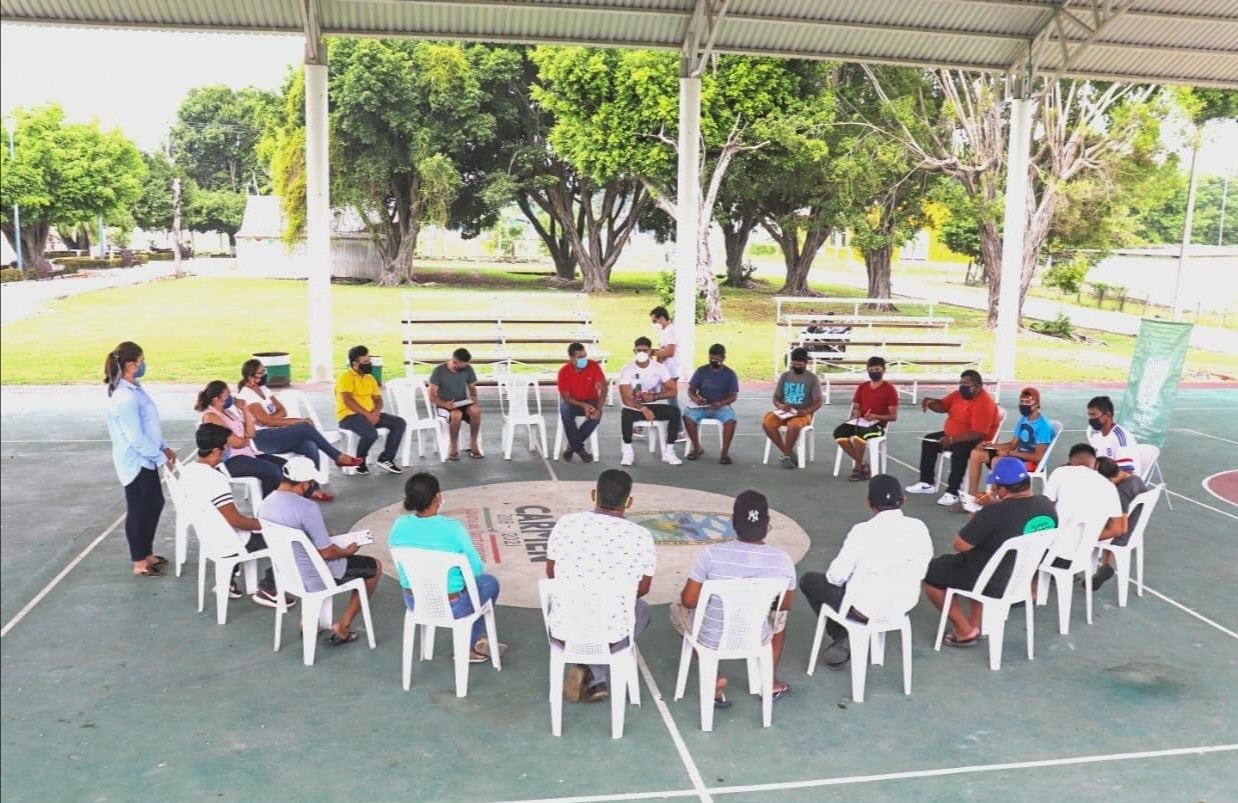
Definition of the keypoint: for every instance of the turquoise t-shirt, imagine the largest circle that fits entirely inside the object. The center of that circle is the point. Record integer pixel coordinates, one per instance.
(1031, 433)
(439, 533)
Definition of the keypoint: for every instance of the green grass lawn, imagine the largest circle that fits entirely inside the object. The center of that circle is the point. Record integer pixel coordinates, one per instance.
(198, 329)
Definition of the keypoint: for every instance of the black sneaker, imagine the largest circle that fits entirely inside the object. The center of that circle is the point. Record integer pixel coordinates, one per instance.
(362, 469)
(234, 591)
(389, 466)
(268, 599)
(1103, 574)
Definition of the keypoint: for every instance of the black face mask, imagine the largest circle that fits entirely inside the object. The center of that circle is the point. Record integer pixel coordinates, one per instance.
(262, 381)
(717, 366)
(876, 375)
(967, 391)
(365, 368)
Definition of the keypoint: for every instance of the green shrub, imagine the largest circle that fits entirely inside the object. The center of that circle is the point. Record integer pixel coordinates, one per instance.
(762, 250)
(1061, 326)
(665, 287)
(1068, 275)
(94, 263)
(11, 275)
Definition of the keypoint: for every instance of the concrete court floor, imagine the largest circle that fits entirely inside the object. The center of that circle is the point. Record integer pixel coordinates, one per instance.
(114, 688)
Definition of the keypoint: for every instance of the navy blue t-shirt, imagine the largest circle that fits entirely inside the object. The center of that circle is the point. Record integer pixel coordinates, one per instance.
(714, 386)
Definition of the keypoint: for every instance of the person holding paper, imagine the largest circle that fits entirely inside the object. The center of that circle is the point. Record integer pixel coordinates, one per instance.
(712, 390)
(359, 408)
(873, 407)
(645, 390)
(797, 397)
(453, 393)
(423, 527)
(971, 415)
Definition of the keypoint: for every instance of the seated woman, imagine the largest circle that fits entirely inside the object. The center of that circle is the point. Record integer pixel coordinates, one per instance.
(215, 403)
(274, 430)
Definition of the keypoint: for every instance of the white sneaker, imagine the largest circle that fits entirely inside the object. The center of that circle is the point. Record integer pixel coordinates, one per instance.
(947, 499)
(970, 504)
(921, 488)
(669, 457)
(628, 457)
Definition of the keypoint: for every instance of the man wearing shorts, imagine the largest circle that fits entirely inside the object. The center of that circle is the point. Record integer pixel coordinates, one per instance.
(873, 407)
(797, 397)
(289, 507)
(712, 390)
(453, 395)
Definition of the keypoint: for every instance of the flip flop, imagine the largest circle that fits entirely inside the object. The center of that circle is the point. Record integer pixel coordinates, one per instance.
(780, 693)
(151, 571)
(694, 454)
(951, 641)
(453, 457)
(720, 700)
(336, 640)
(476, 455)
(725, 460)
(156, 561)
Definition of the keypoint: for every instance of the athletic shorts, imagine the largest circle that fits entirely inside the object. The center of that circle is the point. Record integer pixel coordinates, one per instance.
(723, 414)
(358, 567)
(848, 431)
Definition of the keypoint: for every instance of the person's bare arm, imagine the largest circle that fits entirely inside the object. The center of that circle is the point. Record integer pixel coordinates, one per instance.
(1117, 525)
(333, 552)
(235, 441)
(550, 569)
(935, 405)
(628, 398)
(643, 587)
(691, 594)
(238, 520)
(960, 545)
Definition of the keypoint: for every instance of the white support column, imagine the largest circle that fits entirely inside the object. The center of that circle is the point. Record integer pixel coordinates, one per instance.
(318, 221)
(1013, 234)
(1188, 224)
(688, 219)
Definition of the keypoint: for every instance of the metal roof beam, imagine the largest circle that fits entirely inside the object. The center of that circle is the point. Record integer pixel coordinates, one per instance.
(311, 13)
(698, 41)
(1050, 5)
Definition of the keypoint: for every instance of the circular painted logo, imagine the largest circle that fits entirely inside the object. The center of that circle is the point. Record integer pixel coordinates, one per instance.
(510, 525)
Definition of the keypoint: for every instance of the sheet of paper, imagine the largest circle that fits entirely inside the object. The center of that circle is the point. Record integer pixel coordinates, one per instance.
(783, 414)
(861, 422)
(462, 403)
(358, 537)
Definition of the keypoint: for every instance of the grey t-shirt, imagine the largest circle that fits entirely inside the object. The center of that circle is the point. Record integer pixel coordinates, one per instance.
(299, 513)
(452, 386)
(1128, 489)
(798, 390)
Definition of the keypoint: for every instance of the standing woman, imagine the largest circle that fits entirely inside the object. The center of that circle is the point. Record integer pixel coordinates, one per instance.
(138, 448)
(274, 430)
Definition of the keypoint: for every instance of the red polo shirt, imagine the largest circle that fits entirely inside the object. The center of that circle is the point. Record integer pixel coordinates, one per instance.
(581, 385)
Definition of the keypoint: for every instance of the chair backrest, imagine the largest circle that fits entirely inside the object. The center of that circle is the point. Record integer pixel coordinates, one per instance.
(172, 478)
(1142, 507)
(403, 393)
(427, 572)
(280, 541)
(887, 597)
(997, 424)
(1148, 455)
(1074, 542)
(298, 406)
(1042, 466)
(216, 537)
(1028, 551)
(582, 610)
(514, 397)
(744, 607)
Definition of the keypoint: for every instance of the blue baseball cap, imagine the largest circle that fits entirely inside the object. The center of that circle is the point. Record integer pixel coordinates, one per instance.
(1008, 471)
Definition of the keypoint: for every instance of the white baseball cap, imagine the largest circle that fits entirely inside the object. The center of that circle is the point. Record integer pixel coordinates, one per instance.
(300, 469)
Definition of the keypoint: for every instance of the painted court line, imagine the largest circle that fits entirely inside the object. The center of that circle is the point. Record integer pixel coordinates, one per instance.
(1206, 435)
(1204, 482)
(693, 773)
(1196, 614)
(1203, 505)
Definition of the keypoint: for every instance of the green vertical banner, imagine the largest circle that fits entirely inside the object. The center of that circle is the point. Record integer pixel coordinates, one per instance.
(1156, 367)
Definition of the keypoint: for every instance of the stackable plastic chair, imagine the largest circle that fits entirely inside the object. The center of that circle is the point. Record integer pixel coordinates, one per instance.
(1149, 464)
(946, 454)
(878, 447)
(887, 602)
(427, 571)
(1042, 468)
(1076, 540)
(1028, 551)
(807, 443)
(180, 504)
(746, 606)
(560, 442)
(1145, 503)
(316, 608)
(710, 422)
(299, 407)
(586, 607)
(219, 543)
(251, 488)
(514, 401)
(655, 429)
(404, 393)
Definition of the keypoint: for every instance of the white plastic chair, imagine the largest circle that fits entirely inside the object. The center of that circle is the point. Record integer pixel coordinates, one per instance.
(427, 572)
(1145, 503)
(316, 608)
(299, 407)
(878, 447)
(887, 602)
(560, 439)
(1149, 464)
(586, 608)
(218, 542)
(806, 443)
(710, 422)
(183, 519)
(251, 488)
(1076, 540)
(404, 393)
(1028, 550)
(514, 402)
(946, 454)
(745, 608)
(656, 430)
(1042, 468)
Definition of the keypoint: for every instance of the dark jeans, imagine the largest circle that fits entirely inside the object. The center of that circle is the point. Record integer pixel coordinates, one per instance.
(487, 589)
(303, 438)
(143, 504)
(577, 437)
(959, 454)
(268, 468)
(368, 433)
(819, 591)
(661, 412)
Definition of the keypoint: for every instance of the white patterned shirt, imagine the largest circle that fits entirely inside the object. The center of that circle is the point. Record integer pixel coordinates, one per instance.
(595, 546)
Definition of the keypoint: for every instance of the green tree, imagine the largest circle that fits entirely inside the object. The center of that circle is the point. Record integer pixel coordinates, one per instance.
(214, 210)
(216, 134)
(63, 175)
(152, 210)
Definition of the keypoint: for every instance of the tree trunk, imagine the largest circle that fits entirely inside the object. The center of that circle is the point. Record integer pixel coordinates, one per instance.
(991, 257)
(554, 236)
(706, 282)
(398, 266)
(33, 241)
(877, 263)
(76, 238)
(735, 236)
(798, 260)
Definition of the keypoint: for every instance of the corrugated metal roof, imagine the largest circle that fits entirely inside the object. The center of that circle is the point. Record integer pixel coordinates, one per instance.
(1162, 41)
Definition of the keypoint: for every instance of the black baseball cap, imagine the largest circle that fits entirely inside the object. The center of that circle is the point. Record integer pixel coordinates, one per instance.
(885, 491)
(750, 516)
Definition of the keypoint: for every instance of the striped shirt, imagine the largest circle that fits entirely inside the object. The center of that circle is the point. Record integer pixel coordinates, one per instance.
(1119, 445)
(737, 560)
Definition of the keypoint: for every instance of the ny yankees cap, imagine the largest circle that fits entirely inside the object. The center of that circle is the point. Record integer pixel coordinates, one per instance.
(750, 517)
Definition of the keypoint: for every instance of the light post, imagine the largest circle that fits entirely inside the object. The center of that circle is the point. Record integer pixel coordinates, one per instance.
(12, 123)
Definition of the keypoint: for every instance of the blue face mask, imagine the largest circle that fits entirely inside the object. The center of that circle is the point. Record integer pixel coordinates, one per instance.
(228, 402)
(1025, 409)
(582, 362)
(141, 370)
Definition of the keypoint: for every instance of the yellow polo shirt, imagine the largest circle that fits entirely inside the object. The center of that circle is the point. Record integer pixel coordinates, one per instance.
(364, 389)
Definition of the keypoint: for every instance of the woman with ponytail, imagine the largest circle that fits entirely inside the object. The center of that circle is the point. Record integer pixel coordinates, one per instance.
(138, 449)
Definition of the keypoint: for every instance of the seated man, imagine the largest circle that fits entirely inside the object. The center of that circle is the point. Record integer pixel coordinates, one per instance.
(1129, 486)
(1109, 438)
(748, 557)
(359, 409)
(873, 407)
(873, 548)
(424, 528)
(1032, 435)
(971, 414)
(712, 390)
(645, 390)
(1017, 512)
(603, 546)
(205, 484)
(453, 393)
(289, 507)
(797, 397)
(582, 388)
(1081, 494)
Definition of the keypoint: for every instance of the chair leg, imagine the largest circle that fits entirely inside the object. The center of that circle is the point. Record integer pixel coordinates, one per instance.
(945, 616)
(279, 621)
(558, 440)
(201, 579)
(754, 675)
(182, 543)
(766, 664)
(1087, 595)
(556, 694)
(541, 430)
(996, 631)
(460, 654)
(492, 636)
(410, 638)
(768, 443)
(878, 648)
(1030, 616)
(365, 615)
(838, 460)
(905, 632)
(509, 435)
(620, 668)
(859, 661)
(634, 685)
(707, 672)
(685, 663)
(816, 644)
(223, 581)
(1065, 595)
(427, 642)
(309, 631)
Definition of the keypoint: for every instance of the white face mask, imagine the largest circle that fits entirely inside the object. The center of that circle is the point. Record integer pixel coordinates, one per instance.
(642, 357)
